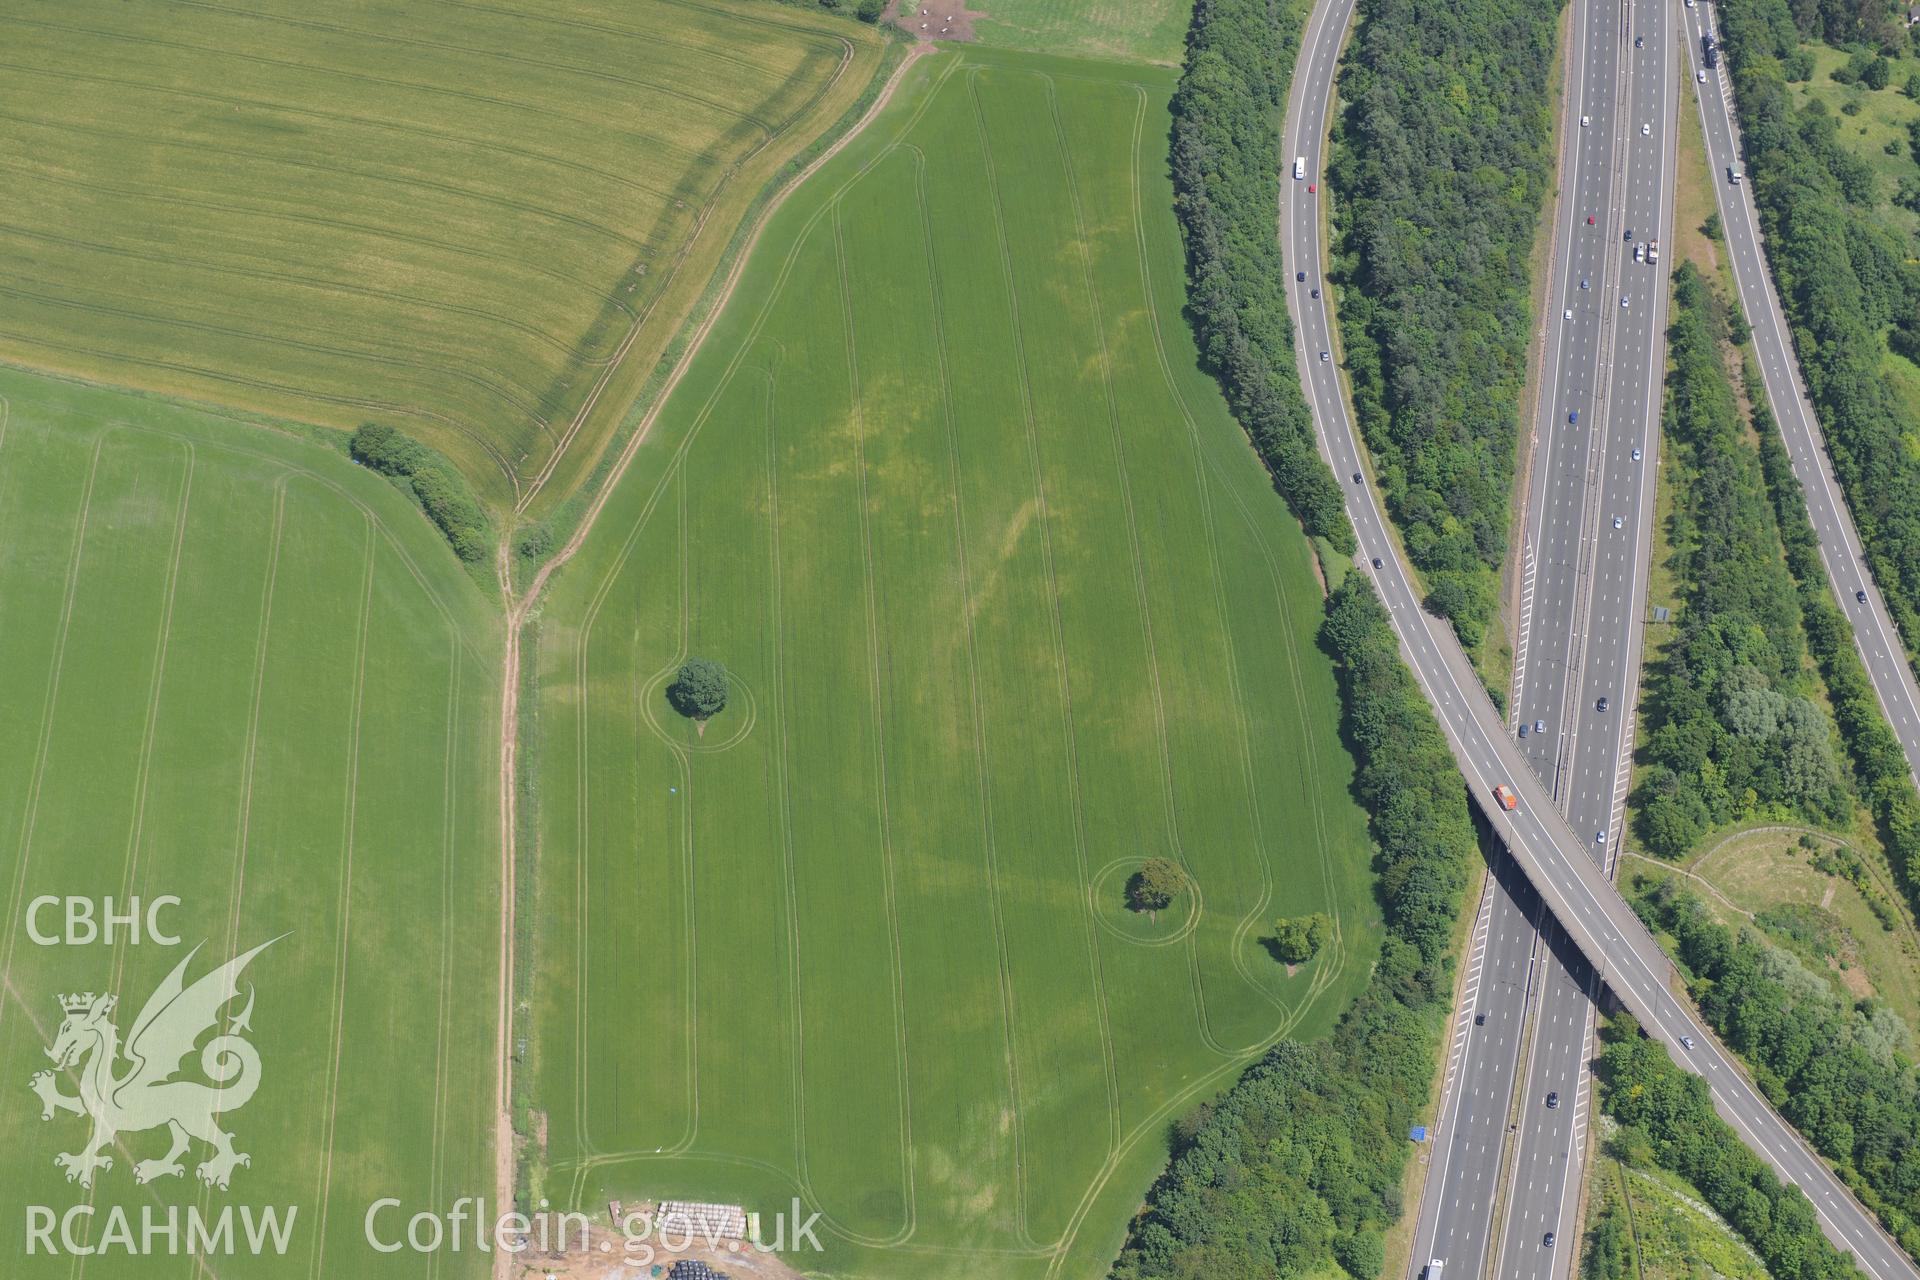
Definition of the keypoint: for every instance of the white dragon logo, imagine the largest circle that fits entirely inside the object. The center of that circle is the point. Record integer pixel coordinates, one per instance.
(146, 1095)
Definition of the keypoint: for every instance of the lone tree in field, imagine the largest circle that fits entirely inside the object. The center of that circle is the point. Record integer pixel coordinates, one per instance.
(1153, 886)
(1297, 939)
(699, 691)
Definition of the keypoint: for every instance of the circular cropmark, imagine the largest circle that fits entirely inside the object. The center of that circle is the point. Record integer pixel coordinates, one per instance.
(723, 731)
(1107, 899)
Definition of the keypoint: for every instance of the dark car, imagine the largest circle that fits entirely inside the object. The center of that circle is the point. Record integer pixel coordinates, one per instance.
(1553, 1101)
(1601, 705)
(1548, 1240)
(1316, 293)
(1300, 276)
(1479, 1019)
(1356, 477)
(1627, 238)
(1377, 564)
(1523, 730)
(1639, 42)
(1861, 596)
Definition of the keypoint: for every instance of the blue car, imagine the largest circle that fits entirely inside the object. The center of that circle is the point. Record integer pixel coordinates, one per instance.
(1574, 417)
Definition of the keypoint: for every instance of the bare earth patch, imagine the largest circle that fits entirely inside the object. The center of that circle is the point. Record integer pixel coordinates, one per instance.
(605, 1256)
(933, 20)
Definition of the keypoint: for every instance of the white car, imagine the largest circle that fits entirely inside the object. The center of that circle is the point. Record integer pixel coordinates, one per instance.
(1639, 253)
(1325, 356)
(1618, 522)
(1699, 77)
(1646, 131)
(1686, 1042)
(1567, 314)
(1636, 455)
(1600, 837)
(1585, 121)
(1623, 302)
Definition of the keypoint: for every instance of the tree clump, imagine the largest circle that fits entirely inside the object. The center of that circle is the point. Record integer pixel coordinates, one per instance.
(436, 485)
(1297, 939)
(699, 689)
(1154, 886)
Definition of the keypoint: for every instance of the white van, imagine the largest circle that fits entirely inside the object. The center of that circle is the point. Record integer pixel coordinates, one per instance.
(1299, 168)
(1733, 174)
(1434, 1268)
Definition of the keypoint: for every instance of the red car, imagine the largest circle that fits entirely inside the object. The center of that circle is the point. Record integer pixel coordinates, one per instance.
(1312, 187)
(1589, 219)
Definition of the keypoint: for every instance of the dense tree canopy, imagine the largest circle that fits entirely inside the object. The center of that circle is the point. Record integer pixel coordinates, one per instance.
(435, 483)
(1153, 886)
(1441, 163)
(1849, 282)
(699, 689)
(1226, 144)
(1732, 727)
(1840, 1071)
(1297, 939)
(1671, 1113)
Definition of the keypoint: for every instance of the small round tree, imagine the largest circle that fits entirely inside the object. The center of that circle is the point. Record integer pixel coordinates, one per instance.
(1153, 886)
(699, 690)
(1297, 939)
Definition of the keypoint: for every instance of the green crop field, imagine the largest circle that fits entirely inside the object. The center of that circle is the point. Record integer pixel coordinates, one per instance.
(1009, 606)
(479, 222)
(1142, 30)
(240, 671)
